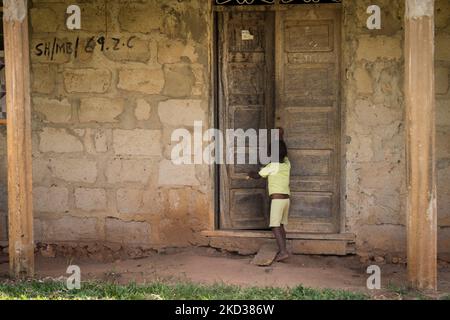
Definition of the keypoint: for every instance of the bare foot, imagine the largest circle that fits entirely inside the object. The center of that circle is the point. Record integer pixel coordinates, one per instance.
(282, 256)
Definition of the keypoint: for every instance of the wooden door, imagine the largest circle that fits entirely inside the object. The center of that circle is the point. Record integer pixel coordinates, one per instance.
(246, 87)
(307, 106)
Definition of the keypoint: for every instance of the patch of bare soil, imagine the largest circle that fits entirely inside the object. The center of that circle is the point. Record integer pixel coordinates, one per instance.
(209, 266)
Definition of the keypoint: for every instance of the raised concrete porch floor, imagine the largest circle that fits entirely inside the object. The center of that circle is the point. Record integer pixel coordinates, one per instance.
(249, 242)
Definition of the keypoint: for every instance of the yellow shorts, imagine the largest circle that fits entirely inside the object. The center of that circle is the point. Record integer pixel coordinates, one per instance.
(279, 211)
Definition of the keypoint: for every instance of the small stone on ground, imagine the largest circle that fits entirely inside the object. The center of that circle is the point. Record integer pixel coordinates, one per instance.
(266, 255)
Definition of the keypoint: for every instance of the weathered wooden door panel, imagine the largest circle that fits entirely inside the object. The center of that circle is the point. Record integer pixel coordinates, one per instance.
(307, 106)
(282, 68)
(246, 102)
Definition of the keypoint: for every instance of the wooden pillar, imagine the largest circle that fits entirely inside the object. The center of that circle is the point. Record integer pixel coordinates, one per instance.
(20, 204)
(420, 123)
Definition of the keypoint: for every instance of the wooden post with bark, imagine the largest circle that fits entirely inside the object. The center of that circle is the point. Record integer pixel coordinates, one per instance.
(20, 204)
(420, 123)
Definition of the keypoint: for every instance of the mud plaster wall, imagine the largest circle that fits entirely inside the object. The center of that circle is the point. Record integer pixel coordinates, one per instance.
(374, 134)
(103, 118)
(443, 122)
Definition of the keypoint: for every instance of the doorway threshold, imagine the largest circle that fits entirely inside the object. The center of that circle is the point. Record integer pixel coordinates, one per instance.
(289, 235)
(249, 241)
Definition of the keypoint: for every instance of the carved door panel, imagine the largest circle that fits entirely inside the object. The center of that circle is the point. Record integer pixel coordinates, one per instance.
(307, 106)
(282, 68)
(245, 102)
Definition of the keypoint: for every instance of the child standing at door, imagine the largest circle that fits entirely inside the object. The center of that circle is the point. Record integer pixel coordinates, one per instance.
(278, 175)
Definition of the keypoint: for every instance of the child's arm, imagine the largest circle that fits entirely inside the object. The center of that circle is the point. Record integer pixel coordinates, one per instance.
(254, 175)
(263, 173)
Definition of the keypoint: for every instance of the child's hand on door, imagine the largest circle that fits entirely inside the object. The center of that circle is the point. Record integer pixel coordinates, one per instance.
(253, 175)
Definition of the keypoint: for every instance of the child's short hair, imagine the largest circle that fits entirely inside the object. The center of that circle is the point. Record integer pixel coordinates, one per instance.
(283, 151)
(282, 148)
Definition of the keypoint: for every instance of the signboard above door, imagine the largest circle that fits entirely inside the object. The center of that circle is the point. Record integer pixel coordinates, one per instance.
(269, 2)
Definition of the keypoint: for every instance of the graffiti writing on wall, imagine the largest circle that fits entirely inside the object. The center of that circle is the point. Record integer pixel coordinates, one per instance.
(55, 47)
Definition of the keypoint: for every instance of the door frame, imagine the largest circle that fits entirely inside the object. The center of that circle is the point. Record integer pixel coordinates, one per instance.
(216, 98)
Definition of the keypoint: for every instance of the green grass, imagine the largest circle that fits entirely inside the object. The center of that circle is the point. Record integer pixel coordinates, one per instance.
(399, 290)
(406, 293)
(52, 290)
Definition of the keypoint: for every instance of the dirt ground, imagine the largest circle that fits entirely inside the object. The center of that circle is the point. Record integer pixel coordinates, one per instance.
(208, 266)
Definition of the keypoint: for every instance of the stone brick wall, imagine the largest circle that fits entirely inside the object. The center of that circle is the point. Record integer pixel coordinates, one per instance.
(3, 187)
(103, 113)
(374, 137)
(443, 121)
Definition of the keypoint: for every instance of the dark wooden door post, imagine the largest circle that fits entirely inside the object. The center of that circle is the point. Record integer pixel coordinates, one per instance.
(20, 204)
(420, 121)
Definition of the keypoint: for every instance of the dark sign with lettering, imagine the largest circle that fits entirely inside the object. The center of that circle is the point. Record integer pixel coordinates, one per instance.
(269, 2)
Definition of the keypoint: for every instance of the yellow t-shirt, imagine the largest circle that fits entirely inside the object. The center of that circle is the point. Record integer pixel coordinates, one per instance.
(278, 175)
